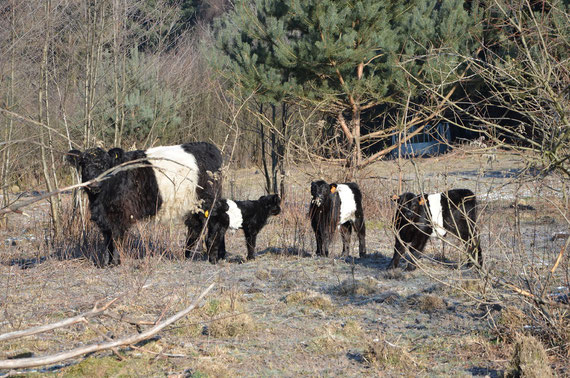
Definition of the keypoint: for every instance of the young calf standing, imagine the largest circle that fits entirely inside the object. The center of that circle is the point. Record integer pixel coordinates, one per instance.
(337, 206)
(418, 217)
(250, 216)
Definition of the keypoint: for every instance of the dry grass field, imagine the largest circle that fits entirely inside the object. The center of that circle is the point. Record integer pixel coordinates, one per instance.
(290, 313)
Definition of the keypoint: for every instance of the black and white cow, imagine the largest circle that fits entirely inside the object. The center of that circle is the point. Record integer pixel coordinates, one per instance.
(337, 206)
(167, 182)
(418, 217)
(250, 216)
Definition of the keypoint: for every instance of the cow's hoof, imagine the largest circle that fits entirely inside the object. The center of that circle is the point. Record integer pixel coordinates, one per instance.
(410, 267)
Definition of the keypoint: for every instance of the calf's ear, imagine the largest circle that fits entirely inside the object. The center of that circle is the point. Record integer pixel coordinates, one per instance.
(73, 157)
(116, 154)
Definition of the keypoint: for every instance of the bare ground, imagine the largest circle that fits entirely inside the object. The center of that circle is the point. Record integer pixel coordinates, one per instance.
(289, 313)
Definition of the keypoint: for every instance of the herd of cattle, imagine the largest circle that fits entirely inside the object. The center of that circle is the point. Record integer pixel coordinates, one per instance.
(183, 182)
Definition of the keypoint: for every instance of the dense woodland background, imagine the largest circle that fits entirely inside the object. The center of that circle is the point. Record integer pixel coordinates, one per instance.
(272, 81)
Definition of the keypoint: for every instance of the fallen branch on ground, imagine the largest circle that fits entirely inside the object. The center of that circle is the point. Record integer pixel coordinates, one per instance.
(63, 323)
(58, 357)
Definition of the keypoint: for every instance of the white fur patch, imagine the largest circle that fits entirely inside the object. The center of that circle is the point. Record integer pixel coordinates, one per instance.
(236, 218)
(176, 173)
(347, 203)
(436, 214)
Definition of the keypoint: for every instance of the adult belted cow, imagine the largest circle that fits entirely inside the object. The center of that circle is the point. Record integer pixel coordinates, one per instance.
(167, 182)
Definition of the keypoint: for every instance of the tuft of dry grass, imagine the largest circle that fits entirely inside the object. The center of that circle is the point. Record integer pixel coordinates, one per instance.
(384, 355)
(529, 359)
(394, 274)
(228, 316)
(309, 298)
(510, 323)
(231, 325)
(365, 286)
(428, 303)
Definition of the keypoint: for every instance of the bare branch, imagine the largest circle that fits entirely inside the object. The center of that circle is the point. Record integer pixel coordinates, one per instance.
(58, 357)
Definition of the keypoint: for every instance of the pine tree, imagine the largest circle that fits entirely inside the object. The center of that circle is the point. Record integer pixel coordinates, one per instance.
(343, 54)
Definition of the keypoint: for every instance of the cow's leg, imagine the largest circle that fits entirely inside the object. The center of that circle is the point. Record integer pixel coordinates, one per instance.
(213, 241)
(399, 252)
(108, 251)
(250, 240)
(216, 239)
(326, 241)
(345, 232)
(222, 248)
(111, 255)
(360, 229)
(319, 237)
(195, 224)
(416, 248)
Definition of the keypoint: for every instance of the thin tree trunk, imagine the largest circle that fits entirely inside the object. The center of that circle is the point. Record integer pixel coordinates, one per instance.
(9, 123)
(43, 114)
(263, 152)
(285, 138)
(116, 76)
(274, 155)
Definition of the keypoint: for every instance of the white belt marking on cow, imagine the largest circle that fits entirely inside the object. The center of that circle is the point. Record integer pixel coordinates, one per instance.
(176, 174)
(347, 203)
(436, 214)
(236, 218)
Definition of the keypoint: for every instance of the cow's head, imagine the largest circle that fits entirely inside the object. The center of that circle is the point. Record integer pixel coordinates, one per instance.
(320, 191)
(117, 155)
(90, 163)
(272, 203)
(409, 206)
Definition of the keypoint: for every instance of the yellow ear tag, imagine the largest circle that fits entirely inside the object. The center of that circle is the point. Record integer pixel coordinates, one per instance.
(206, 213)
(333, 189)
(395, 197)
(422, 201)
(116, 155)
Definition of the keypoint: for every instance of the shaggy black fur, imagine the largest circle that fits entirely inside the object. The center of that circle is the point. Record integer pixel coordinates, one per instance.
(413, 226)
(324, 212)
(128, 195)
(254, 215)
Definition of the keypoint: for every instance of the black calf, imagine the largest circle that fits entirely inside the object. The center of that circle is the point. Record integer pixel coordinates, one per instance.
(250, 216)
(337, 206)
(418, 217)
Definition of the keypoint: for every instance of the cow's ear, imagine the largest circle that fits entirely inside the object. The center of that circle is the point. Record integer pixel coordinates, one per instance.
(116, 154)
(73, 157)
(333, 188)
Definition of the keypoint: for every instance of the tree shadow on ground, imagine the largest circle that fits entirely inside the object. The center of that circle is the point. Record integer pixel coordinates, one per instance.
(285, 251)
(478, 371)
(372, 260)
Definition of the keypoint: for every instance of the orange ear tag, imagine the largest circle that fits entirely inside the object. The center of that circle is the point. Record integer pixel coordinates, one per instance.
(422, 201)
(395, 197)
(333, 189)
(206, 213)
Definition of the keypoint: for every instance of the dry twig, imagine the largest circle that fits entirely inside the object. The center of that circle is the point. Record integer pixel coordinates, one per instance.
(58, 357)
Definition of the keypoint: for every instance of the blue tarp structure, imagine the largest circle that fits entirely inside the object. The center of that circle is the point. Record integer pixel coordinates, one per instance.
(432, 140)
